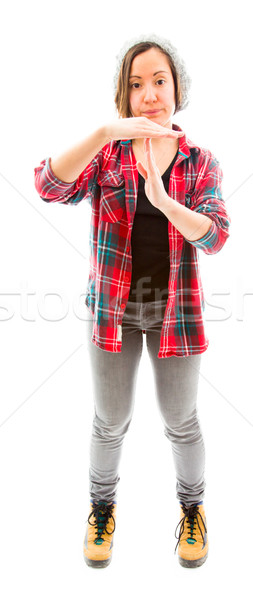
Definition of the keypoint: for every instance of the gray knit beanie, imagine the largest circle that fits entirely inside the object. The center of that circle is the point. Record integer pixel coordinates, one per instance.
(184, 78)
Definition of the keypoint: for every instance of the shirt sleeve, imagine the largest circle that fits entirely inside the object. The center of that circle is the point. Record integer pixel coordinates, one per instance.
(207, 199)
(52, 189)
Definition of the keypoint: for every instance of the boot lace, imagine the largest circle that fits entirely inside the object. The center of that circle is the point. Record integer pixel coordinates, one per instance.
(102, 512)
(191, 516)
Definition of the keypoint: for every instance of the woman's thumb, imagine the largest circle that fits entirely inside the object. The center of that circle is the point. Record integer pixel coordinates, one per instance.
(141, 169)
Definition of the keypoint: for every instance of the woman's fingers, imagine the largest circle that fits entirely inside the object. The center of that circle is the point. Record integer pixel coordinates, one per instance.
(141, 169)
(149, 152)
(151, 134)
(166, 132)
(138, 127)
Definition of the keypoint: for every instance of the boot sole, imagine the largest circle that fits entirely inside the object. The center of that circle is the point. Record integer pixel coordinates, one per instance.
(192, 563)
(98, 564)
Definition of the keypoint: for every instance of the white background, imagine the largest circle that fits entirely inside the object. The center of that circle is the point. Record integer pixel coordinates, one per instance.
(57, 67)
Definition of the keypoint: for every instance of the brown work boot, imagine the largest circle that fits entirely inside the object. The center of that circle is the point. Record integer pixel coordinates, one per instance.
(98, 541)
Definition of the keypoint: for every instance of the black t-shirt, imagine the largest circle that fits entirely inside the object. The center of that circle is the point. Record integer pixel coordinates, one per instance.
(150, 247)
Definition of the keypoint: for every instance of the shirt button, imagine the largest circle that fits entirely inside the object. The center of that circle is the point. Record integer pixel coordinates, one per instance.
(126, 278)
(128, 248)
(122, 306)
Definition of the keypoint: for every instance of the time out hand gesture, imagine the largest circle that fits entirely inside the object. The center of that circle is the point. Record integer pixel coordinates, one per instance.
(154, 188)
(137, 127)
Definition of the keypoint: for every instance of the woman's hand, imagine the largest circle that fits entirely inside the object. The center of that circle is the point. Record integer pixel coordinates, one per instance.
(138, 127)
(192, 225)
(154, 188)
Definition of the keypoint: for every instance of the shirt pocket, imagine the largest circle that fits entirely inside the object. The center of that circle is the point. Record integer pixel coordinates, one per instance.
(112, 198)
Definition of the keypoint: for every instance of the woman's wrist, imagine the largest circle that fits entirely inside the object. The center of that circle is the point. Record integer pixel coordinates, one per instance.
(192, 225)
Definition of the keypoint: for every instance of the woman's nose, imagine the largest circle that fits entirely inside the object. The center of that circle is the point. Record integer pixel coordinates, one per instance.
(149, 94)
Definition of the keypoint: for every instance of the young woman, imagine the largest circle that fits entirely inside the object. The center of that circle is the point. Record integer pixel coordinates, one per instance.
(155, 200)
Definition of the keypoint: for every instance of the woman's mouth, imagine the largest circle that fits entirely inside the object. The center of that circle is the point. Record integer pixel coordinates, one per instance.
(151, 112)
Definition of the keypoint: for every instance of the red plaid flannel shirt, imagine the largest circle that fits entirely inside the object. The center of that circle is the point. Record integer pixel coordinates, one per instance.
(110, 184)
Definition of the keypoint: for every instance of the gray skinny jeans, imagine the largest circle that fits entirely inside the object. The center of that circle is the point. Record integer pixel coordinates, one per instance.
(114, 378)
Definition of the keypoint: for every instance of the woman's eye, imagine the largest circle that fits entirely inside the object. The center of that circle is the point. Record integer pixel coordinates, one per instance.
(133, 84)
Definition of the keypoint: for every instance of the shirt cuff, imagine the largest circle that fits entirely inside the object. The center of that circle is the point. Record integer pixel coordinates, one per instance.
(58, 182)
(208, 240)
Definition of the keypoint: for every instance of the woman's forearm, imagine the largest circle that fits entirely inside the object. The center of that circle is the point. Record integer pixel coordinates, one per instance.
(192, 225)
(68, 165)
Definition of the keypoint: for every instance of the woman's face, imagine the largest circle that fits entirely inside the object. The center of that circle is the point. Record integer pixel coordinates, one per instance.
(150, 90)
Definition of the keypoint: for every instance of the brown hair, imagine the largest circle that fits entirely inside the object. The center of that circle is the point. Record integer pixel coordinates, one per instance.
(121, 98)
